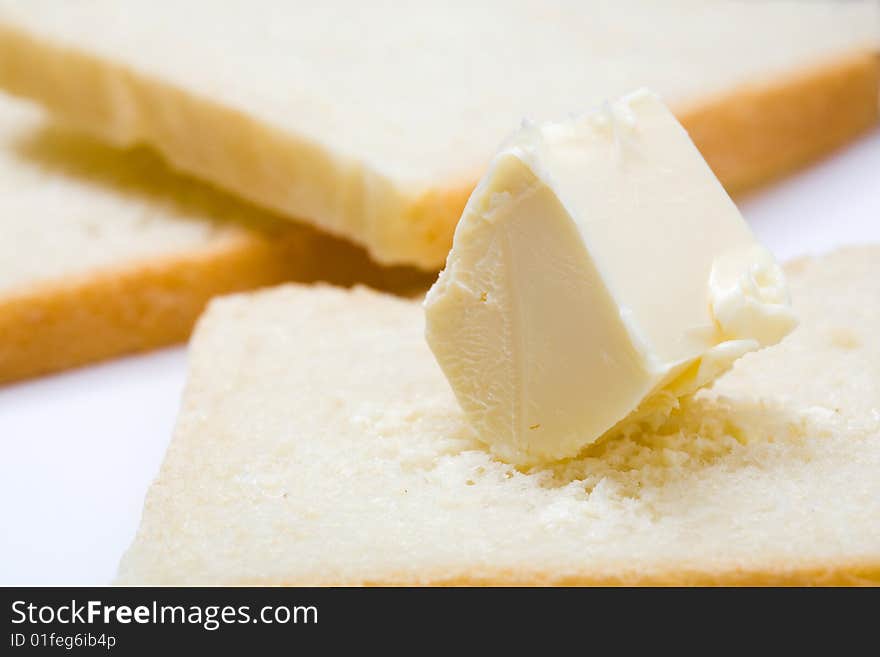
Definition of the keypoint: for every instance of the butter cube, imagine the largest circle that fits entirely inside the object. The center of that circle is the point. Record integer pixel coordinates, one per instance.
(599, 272)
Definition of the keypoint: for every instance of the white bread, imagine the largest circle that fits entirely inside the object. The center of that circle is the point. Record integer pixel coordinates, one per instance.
(318, 443)
(375, 124)
(105, 252)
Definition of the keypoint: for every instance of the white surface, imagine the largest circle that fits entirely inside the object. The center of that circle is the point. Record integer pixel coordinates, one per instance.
(80, 449)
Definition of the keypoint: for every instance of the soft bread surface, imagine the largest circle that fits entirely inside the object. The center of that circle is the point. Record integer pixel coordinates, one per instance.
(104, 252)
(318, 443)
(375, 124)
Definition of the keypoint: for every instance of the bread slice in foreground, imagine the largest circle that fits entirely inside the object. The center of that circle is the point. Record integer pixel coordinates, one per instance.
(376, 124)
(319, 444)
(104, 252)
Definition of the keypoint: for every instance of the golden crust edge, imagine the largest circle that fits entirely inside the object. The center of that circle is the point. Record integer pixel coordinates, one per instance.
(855, 572)
(762, 131)
(60, 324)
(750, 135)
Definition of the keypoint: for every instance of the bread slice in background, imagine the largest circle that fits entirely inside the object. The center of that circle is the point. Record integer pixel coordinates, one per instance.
(309, 452)
(374, 124)
(105, 252)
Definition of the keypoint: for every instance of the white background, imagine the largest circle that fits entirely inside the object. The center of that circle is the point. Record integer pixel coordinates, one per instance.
(80, 449)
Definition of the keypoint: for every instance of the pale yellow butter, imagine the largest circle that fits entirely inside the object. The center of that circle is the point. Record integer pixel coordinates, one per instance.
(599, 271)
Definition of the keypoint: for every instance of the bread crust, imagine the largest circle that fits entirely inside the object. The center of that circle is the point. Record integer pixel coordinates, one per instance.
(759, 132)
(61, 324)
(864, 572)
(855, 573)
(748, 135)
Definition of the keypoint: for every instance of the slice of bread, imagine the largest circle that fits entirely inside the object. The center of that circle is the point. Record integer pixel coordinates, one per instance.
(318, 443)
(375, 124)
(104, 252)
